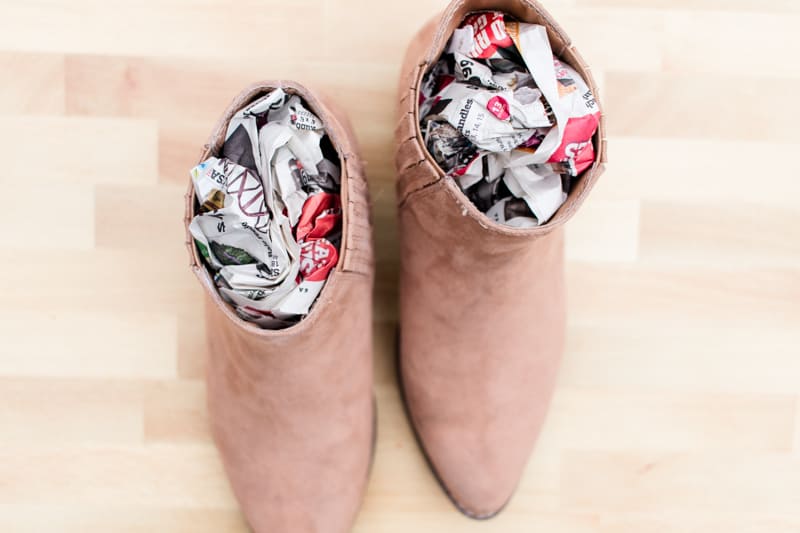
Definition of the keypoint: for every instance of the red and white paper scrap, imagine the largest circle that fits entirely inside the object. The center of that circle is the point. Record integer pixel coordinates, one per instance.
(499, 106)
(269, 225)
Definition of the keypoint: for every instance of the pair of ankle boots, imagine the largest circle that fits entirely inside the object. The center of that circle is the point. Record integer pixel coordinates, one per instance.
(481, 332)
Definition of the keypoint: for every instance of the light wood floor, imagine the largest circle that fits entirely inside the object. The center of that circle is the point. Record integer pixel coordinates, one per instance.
(678, 407)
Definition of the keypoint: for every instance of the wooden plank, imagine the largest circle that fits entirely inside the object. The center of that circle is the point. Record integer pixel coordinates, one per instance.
(87, 344)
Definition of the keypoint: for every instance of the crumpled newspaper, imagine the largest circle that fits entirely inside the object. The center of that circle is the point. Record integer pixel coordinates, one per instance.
(507, 119)
(269, 224)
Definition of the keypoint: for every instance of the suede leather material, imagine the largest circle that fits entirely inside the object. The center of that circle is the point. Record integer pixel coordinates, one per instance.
(292, 411)
(482, 332)
(482, 306)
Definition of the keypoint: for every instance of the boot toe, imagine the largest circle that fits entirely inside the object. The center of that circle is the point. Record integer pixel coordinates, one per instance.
(474, 473)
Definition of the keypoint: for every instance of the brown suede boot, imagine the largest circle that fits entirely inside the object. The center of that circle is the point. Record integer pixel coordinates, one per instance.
(291, 410)
(482, 305)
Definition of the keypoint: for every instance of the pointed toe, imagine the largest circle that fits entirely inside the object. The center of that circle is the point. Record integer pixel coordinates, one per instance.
(478, 481)
(476, 452)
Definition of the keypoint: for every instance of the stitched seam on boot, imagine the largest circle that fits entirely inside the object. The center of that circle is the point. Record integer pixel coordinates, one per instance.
(419, 189)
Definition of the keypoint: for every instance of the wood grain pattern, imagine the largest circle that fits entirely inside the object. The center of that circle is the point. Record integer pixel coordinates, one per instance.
(679, 401)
